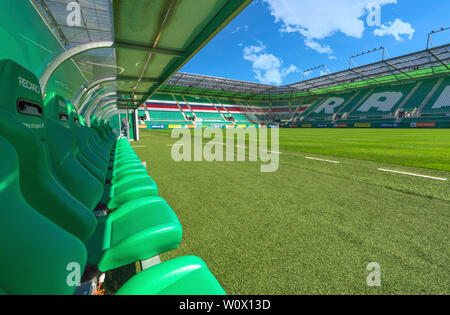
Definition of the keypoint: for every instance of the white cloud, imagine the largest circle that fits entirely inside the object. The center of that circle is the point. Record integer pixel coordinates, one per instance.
(267, 67)
(396, 29)
(238, 29)
(323, 49)
(319, 19)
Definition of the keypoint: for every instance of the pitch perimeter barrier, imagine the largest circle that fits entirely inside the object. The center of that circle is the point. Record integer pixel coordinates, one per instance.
(410, 124)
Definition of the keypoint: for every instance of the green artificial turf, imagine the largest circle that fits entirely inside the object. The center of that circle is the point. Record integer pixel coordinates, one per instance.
(425, 148)
(313, 227)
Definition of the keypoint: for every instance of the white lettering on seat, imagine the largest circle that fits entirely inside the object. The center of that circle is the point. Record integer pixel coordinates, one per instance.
(443, 100)
(29, 86)
(384, 101)
(329, 105)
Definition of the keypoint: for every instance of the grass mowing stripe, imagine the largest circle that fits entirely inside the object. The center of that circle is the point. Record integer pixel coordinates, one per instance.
(412, 174)
(322, 160)
(421, 148)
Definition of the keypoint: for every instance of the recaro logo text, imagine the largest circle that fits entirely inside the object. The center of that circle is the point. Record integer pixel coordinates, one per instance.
(28, 85)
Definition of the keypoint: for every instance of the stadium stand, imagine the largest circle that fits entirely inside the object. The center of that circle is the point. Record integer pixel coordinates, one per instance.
(439, 101)
(210, 117)
(178, 110)
(423, 88)
(241, 118)
(330, 106)
(308, 111)
(382, 101)
(386, 93)
(166, 115)
(281, 110)
(205, 111)
(414, 100)
(417, 99)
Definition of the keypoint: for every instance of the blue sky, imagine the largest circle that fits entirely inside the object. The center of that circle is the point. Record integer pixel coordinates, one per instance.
(274, 41)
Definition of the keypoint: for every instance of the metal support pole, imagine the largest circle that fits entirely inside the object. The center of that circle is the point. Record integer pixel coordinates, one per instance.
(128, 123)
(136, 125)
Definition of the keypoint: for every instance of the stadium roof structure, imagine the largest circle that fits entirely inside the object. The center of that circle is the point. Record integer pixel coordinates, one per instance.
(128, 49)
(424, 63)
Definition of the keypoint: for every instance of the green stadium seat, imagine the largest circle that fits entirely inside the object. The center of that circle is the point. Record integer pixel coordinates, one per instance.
(439, 103)
(101, 131)
(23, 126)
(179, 276)
(65, 155)
(99, 141)
(128, 172)
(241, 118)
(131, 187)
(45, 267)
(35, 252)
(420, 94)
(166, 116)
(210, 117)
(140, 229)
(83, 185)
(99, 165)
(129, 177)
(96, 146)
(96, 155)
(132, 225)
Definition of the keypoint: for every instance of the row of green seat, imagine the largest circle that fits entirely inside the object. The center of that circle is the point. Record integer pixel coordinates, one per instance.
(439, 103)
(241, 118)
(366, 103)
(210, 117)
(54, 174)
(166, 116)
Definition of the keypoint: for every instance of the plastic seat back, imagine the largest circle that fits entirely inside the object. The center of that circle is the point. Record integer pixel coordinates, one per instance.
(36, 254)
(102, 133)
(85, 143)
(98, 138)
(65, 155)
(23, 125)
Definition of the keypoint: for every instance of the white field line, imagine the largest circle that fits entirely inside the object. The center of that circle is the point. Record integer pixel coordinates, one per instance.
(274, 152)
(322, 160)
(336, 162)
(412, 174)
